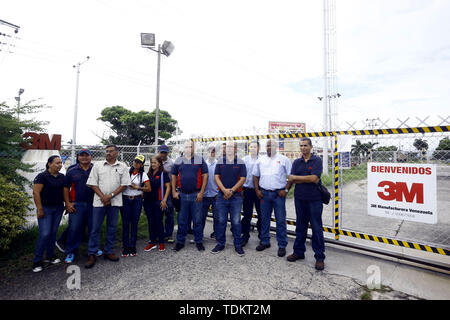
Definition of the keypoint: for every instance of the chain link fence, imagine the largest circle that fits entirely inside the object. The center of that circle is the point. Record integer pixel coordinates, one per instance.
(405, 148)
(417, 148)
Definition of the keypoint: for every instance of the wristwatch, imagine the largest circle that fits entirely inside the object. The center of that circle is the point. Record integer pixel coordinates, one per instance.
(286, 190)
(112, 194)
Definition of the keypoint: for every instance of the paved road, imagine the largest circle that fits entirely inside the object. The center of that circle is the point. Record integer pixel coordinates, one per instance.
(190, 274)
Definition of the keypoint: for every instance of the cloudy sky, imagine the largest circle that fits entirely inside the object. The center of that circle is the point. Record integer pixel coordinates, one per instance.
(236, 64)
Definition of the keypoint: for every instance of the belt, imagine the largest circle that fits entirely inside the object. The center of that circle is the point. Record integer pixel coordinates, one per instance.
(133, 197)
(190, 192)
(276, 190)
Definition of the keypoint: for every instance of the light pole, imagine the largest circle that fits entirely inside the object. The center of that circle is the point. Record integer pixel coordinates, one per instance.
(148, 41)
(18, 102)
(75, 111)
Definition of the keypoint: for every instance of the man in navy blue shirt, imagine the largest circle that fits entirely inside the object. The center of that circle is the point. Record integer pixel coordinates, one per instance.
(190, 175)
(305, 174)
(78, 198)
(230, 175)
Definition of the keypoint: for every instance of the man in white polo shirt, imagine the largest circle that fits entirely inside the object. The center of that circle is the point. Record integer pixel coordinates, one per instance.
(270, 180)
(108, 179)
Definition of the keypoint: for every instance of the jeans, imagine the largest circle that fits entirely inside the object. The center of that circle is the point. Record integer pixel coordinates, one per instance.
(131, 212)
(48, 227)
(98, 216)
(272, 201)
(309, 211)
(233, 206)
(169, 221)
(207, 203)
(190, 206)
(155, 221)
(77, 225)
(249, 200)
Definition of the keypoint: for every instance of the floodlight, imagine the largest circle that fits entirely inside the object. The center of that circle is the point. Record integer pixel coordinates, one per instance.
(167, 48)
(148, 39)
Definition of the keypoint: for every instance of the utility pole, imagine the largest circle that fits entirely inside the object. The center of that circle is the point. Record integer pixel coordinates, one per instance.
(75, 111)
(329, 75)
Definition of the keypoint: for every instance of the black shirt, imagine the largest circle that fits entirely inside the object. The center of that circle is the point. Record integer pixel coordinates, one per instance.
(52, 192)
(155, 183)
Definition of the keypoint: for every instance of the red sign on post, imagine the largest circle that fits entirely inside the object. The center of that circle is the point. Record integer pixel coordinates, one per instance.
(41, 141)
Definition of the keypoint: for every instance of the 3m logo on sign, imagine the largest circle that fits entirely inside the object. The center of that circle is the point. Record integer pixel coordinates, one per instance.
(399, 190)
(41, 141)
(402, 191)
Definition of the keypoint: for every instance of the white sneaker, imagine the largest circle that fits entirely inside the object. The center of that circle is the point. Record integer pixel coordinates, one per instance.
(191, 241)
(37, 267)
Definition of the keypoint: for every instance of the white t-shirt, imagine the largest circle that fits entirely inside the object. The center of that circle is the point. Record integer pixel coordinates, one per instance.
(136, 180)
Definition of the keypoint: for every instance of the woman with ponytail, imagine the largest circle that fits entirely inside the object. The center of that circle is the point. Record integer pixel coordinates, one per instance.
(155, 202)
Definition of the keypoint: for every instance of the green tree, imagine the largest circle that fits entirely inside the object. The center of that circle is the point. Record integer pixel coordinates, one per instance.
(14, 201)
(442, 152)
(131, 127)
(420, 144)
(11, 138)
(362, 150)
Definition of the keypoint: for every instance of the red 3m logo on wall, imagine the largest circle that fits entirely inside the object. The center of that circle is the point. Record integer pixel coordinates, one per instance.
(402, 191)
(41, 141)
(399, 190)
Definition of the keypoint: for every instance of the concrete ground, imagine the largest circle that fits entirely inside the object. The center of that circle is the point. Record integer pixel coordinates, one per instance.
(190, 274)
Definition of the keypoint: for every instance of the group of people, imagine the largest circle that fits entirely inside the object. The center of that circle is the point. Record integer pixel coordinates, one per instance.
(192, 184)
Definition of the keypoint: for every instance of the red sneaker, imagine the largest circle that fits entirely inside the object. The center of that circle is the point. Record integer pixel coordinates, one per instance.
(150, 247)
(162, 247)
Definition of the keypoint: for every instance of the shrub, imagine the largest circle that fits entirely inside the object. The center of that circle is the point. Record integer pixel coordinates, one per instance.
(14, 205)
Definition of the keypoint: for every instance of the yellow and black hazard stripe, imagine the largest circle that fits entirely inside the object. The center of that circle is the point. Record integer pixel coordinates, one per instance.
(329, 134)
(336, 187)
(363, 236)
(400, 243)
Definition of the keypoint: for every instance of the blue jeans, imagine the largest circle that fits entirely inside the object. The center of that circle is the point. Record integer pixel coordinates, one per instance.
(169, 221)
(131, 212)
(272, 201)
(77, 224)
(207, 203)
(155, 221)
(250, 200)
(190, 206)
(309, 211)
(98, 216)
(48, 227)
(233, 206)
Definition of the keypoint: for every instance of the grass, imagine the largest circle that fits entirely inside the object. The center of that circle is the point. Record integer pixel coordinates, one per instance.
(355, 173)
(19, 257)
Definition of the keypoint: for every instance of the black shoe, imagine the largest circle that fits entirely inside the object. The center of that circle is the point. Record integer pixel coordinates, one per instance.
(244, 243)
(218, 248)
(293, 257)
(261, 247)
(125, 252)
(178, 246)
(200, 246)
(281, 252)
(132, 252)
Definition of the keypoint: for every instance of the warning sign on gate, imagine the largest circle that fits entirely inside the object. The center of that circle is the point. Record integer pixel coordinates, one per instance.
(402, 191)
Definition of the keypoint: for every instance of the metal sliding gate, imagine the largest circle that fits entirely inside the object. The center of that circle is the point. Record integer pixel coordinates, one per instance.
(346, 219)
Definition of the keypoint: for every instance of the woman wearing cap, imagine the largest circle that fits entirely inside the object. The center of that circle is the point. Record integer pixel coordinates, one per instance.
(155, 202)
(132, 205)
(49, 199)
